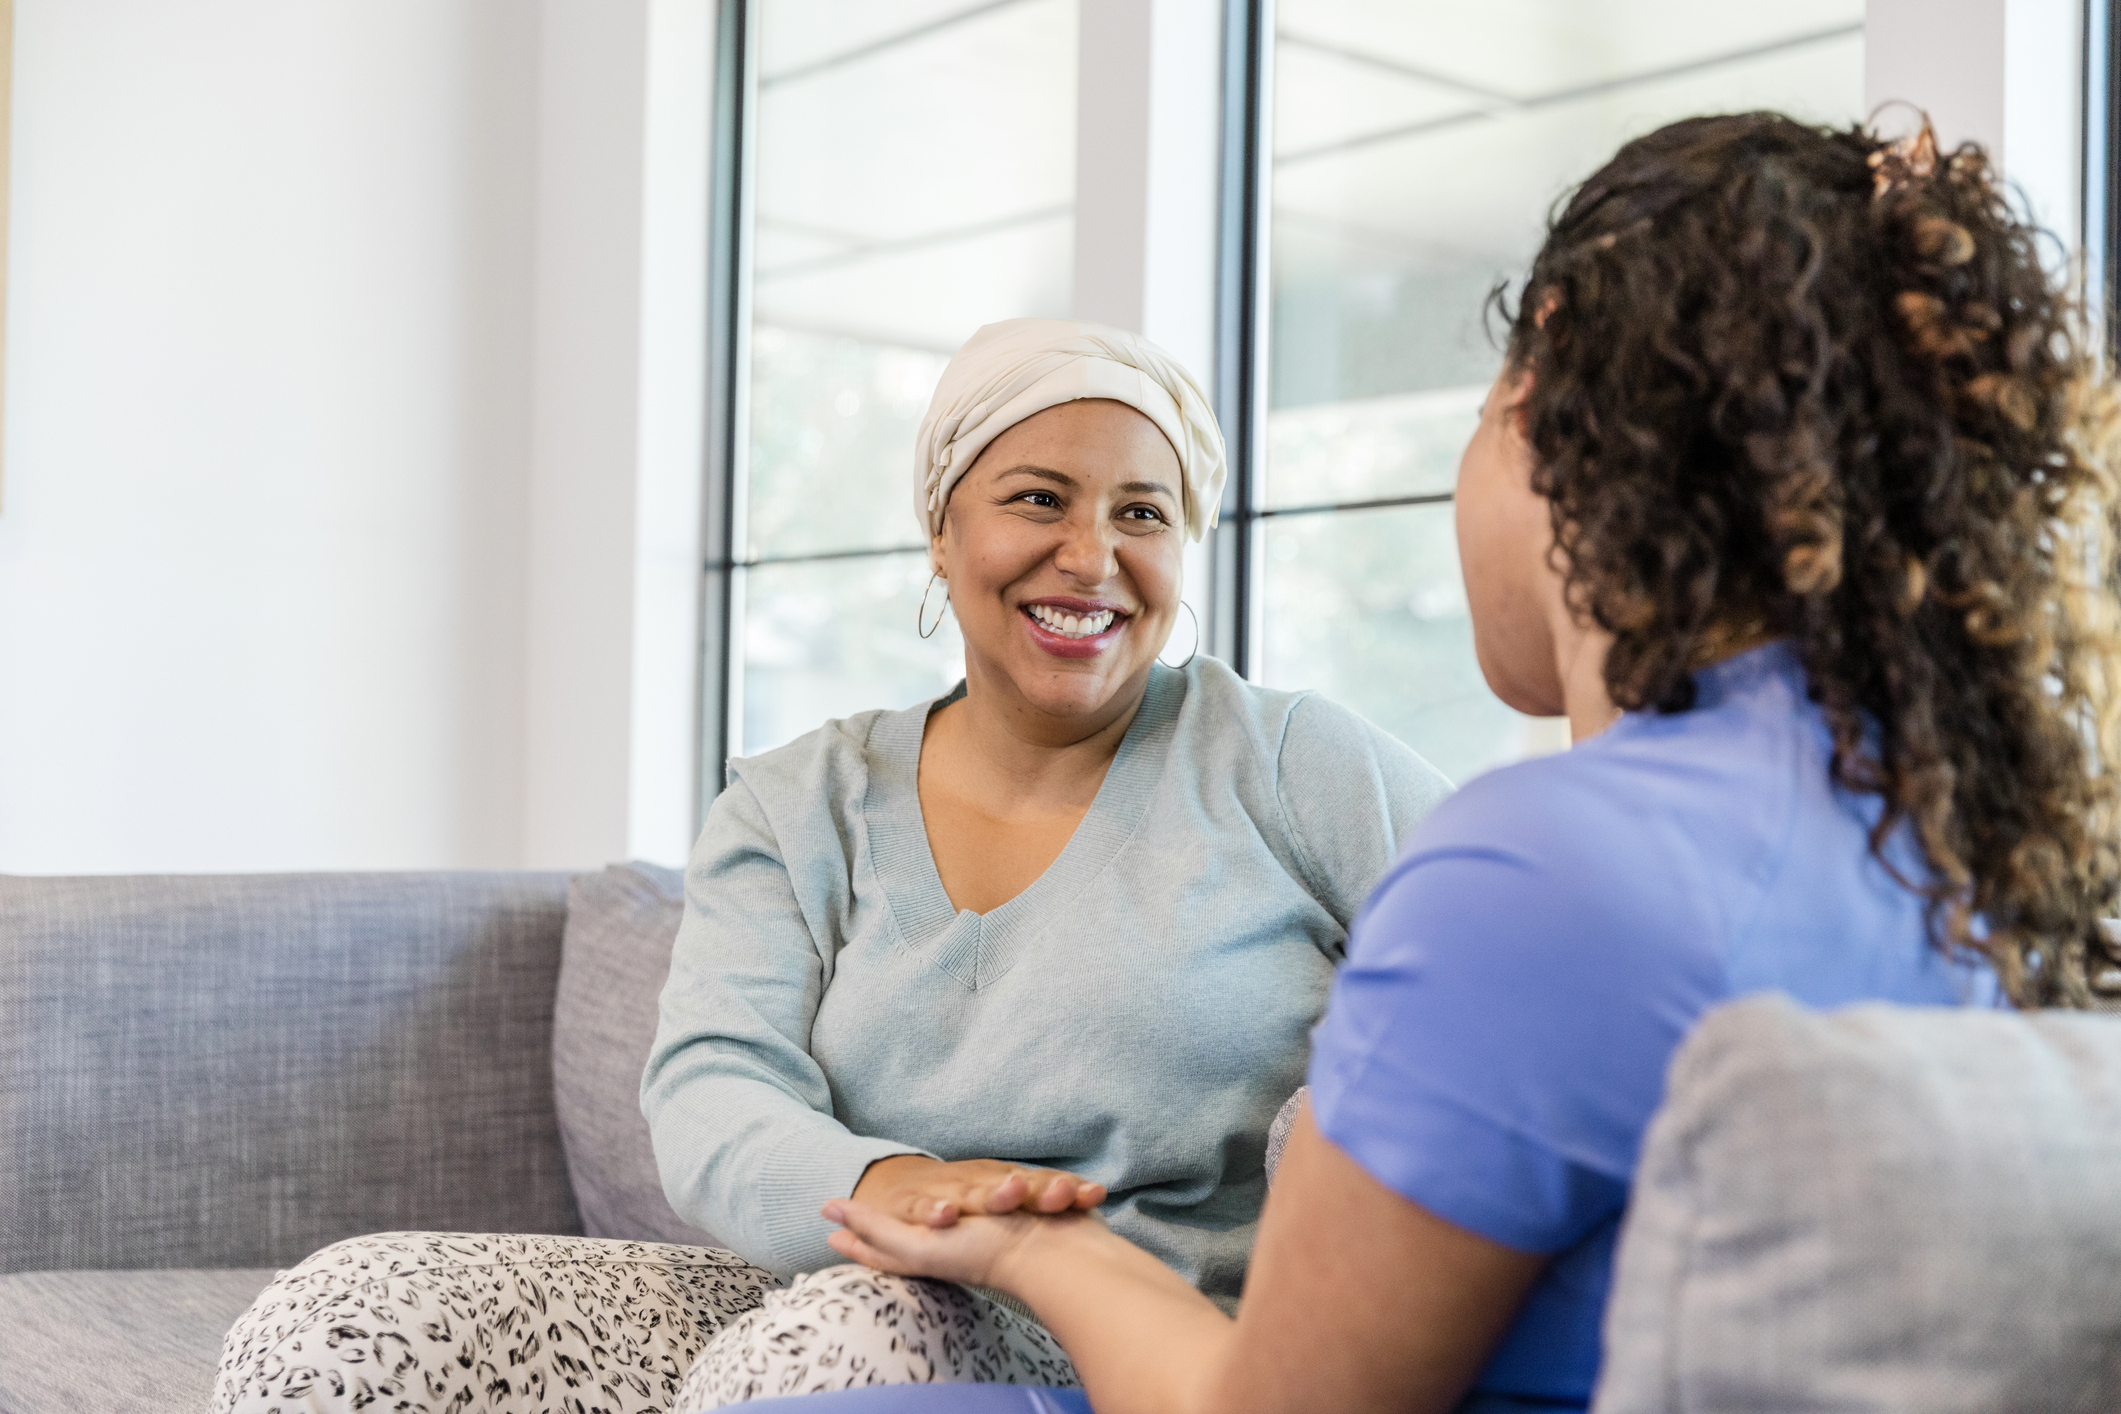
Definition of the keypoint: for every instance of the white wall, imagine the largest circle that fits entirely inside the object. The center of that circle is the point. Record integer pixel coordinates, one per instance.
(2004, 73)
(611, 687)
(355, 358)
(346, 518)
(262, 548)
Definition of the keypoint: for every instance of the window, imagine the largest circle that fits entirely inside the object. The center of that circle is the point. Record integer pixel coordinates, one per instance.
(1411, 149)
(870, 258)
(1416, 145)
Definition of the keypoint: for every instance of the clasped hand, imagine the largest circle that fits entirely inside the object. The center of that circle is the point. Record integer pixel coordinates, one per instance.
(934, 1193)
(904, 1214)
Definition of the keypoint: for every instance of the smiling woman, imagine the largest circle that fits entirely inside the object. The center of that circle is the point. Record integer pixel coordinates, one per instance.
(1052, 942)
(1112, 893)
(1061, 549)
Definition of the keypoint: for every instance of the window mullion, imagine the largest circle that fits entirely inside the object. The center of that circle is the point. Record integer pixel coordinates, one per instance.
(728, 397)
(1241, 323)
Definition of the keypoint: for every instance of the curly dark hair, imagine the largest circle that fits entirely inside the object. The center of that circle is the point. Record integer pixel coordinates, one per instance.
(1790, 381)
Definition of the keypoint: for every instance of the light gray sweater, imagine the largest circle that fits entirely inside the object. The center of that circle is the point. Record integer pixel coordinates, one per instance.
(1135, 1016)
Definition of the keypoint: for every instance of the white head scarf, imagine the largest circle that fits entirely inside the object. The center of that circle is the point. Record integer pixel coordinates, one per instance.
(1008, 371)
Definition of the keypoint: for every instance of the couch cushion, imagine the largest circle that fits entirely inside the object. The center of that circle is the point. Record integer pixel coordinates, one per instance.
(233, 1072)
(1876, 1209)
(117, 1342)
(620, 925)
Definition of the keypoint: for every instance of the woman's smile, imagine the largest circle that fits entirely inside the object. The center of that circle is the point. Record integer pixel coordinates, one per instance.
(1074, 628)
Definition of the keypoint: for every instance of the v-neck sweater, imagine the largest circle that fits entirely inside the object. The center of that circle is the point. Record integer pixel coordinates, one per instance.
(1136, 1016)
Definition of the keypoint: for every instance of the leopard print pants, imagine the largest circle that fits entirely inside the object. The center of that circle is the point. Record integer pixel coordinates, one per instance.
(457, 1323)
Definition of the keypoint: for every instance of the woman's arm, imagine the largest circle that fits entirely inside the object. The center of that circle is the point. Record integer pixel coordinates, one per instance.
(1357, 1299)
(740, 1112)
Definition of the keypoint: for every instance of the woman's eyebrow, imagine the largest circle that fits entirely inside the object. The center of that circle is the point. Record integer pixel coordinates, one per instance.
(1061, 478)
(1042, 473)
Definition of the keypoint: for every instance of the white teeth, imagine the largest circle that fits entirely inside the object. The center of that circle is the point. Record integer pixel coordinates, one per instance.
(1072, 625)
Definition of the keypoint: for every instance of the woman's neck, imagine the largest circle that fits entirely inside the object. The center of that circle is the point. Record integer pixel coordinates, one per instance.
(992, 742)
(1579, 657)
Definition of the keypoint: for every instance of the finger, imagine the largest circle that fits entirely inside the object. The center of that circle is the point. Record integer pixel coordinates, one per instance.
(883, 1241)
(872, 1224)
(848, 1245)
(1058, 1194)
(1090, 1195)
(1007, 1195)
(941, 1213)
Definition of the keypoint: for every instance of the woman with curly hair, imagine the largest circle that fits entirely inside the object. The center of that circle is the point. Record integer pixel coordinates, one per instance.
(1794, 498)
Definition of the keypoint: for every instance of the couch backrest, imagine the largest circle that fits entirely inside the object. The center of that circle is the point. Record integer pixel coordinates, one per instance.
(621, 922)
(1878, 1208)
(234, 1071)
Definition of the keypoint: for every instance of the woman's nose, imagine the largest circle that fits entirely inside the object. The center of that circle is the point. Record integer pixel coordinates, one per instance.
(1089, 553)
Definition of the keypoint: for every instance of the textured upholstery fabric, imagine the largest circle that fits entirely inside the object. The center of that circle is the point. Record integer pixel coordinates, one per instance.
(117, 1342)
(1876, 1209)
(1278, 1135)
(236, 1071)
(620, 923)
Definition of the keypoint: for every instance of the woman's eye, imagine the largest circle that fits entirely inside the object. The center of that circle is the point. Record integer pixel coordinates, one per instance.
(1044, 499)
(1149, 513)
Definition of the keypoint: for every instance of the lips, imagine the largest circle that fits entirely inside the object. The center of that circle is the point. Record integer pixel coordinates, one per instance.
(1087, 624)
(1072, 628)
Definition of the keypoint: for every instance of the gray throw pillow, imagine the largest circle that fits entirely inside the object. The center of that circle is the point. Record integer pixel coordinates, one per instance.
(620, 925)
(1879, 1208)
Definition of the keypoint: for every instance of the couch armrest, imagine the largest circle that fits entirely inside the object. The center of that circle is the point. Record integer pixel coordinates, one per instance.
(234, 1071)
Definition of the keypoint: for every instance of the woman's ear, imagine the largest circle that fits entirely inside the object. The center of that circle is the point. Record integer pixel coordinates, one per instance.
(935, 555)
(1516, 393)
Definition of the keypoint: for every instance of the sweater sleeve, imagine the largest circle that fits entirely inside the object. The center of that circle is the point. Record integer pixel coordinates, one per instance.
(740, 1114)
(1352, 794)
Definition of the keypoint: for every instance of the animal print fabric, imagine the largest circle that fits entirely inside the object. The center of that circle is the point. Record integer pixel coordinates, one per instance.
(473, 1323)
(426, 1322)
(850, 1326)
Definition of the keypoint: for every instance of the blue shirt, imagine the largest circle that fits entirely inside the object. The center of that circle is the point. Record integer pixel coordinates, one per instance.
(1498, 1039)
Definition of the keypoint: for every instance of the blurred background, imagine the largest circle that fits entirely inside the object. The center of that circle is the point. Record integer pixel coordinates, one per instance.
(1416, 147)
(438, 432)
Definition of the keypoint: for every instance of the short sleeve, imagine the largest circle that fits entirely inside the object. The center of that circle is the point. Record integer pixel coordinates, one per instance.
(1497, 1041)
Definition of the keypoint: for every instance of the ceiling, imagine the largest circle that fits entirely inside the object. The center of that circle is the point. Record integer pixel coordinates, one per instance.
(1445, 132)
(916, 158)
(915, 165)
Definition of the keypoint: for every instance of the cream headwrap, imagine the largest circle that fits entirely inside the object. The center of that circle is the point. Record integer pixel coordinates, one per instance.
(1008, 371)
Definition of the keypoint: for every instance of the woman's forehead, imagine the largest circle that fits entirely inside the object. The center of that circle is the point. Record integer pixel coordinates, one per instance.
(1088, 439)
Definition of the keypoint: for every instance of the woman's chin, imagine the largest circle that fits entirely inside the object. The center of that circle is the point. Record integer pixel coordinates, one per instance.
(1525, 683)
(1072, 687)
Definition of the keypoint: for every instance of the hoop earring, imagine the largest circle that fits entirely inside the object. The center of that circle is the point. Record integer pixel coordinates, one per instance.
(1180, 667)
(920, 615)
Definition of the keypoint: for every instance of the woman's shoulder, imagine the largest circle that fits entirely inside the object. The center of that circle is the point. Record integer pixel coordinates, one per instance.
(815, 752)
(1305, 732)
(824, 773)
(1574, 814)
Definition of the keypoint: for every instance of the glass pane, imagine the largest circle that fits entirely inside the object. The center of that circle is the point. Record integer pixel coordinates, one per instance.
(1400, 646)
(1418, 147)
(829, 638)
(874, 253)
(832, 424)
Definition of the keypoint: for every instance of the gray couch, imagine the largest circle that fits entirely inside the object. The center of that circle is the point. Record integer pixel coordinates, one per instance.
(205, 1079)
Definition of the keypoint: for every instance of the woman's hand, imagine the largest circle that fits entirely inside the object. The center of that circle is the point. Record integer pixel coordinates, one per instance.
(980, 1250)
(934, 1193)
